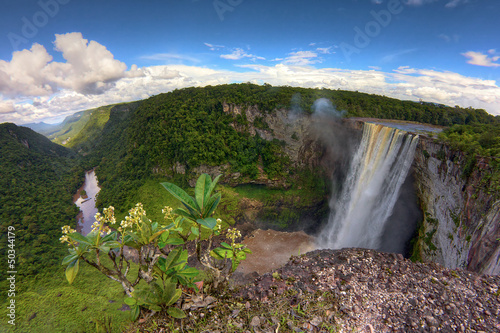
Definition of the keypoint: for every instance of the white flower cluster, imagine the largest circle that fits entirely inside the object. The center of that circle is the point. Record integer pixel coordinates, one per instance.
(167, 211)
(100, 220)
(134, 217)
(233, 234)
(218, 227)
(66, 230)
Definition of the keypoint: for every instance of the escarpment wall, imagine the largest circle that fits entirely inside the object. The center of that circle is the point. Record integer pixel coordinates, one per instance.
(461, 220)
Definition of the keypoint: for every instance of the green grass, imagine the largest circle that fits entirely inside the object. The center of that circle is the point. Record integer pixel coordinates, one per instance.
(154, 198)
(61, 307)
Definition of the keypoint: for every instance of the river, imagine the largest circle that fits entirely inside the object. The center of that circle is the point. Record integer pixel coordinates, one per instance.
(87, 203)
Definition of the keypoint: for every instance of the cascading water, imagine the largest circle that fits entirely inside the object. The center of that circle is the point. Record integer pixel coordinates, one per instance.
(377, 172)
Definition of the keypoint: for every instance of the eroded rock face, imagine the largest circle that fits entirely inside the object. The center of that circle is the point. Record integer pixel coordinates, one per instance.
(301, 144)
(462, 221)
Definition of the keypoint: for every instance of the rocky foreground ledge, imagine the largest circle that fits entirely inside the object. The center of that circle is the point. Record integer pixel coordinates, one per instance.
(358, 290)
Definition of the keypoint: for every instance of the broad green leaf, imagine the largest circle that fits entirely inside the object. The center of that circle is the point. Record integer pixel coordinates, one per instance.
(189, 272)
(155, 235)
(214, 202)
(241, 255)
(220, 253)
(176, 313)
(202, 185)
(177, 294)
(112, 236)
(77, 237)
(226, 245)
(182, 212)
(172, 258)
(181, 195)
(208, 222)
(130, 301)
(112, 244)
(208, 193)
(135, 312)
(195, 231)
(154, 307)
(247, 250)
(69, 259)
(169, 292)
(72, 270)
(104, 248)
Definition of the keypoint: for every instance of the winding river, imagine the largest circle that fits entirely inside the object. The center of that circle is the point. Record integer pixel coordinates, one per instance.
(86, 203)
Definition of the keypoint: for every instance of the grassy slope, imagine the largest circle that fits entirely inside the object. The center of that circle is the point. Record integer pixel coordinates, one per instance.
(77, 309)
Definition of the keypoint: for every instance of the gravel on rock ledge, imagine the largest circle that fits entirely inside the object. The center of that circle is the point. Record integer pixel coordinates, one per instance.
(382, 292)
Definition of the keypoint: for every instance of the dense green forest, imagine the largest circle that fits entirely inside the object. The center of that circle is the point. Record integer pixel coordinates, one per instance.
(134, 146)
(37, 180)
(189, 126)
(126, 142)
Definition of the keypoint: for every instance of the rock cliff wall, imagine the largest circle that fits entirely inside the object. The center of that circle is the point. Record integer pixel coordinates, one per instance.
(461, 224)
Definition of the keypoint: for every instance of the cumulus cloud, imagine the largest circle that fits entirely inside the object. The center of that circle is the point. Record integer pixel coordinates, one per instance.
(89, 69)
(24, 74)
(404, 83)
(481, 59)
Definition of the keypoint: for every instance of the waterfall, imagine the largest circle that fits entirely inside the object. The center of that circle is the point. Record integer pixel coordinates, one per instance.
(377, 171)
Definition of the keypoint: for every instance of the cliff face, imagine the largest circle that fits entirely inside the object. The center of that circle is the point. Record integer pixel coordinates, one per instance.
(461, 224)
(297, 133)
(462, 221)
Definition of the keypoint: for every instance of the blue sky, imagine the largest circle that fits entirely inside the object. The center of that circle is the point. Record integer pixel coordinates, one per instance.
(61, 56)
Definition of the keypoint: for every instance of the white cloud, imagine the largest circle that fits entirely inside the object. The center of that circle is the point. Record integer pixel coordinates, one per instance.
(214, 47)
(324, 50)
(302, 58)
(239, 54)
(481, 59)
(33, 73)
(89, 69)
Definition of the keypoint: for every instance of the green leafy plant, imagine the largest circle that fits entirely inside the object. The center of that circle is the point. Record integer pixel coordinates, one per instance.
(196, 213)
(160, 249)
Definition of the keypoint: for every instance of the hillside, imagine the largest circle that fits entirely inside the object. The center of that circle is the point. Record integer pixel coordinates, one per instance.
(264, 141)
(177, 134)
(36, 186)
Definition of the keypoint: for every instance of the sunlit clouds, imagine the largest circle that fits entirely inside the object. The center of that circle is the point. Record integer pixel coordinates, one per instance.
(34, 87)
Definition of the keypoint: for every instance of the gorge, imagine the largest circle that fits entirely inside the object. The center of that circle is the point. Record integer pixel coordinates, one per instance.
(458, 221)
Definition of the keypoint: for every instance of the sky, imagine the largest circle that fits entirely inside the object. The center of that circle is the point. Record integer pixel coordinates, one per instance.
(62, 56)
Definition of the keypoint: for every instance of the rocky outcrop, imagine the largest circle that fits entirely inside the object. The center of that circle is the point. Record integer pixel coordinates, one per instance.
(378, 292)
(300, 144)
(461, 224)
